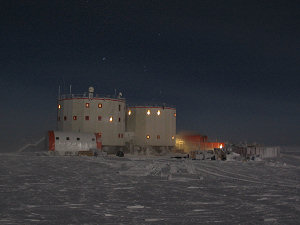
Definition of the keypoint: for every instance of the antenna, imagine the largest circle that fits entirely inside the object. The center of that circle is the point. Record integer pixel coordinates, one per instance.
(70, 88)
(58, 92)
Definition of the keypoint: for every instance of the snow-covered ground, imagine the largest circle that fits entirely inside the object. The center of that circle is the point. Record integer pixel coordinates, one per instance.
(39, 189)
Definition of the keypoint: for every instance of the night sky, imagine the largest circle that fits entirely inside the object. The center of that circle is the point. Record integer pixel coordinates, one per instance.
(231, 68)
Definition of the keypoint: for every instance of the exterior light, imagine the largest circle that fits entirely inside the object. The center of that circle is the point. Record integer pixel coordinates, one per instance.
(148, 136)
(173, 137)
(221, 146)
(87, 105)
(110, 119)
(99, 105)
(148, 112)
(59, 106)
(174, 114)
(158, 112)
(129, 112)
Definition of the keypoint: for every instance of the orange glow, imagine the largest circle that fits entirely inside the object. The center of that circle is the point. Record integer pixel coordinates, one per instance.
(59, 106)
(148, 136)
(129, 112)
(99, 105)
(148, 112)
(110, 119)
(174, 114)
(158, 112)
(221, 146)
(74, 117)
(173, 137)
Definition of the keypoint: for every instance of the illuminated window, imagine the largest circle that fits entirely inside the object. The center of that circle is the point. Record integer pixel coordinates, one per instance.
(173, 137)
(65, 118)
(87, 118)
(119, 119)
(99, 105)
(148, 112)
(158, 112)
(58, 118)
(74, 117)
(110, 119)
(175, 114)
(148, 136)
(158, 136)
(59, 106)
(99, 118)
(87, 105)
(129, 112)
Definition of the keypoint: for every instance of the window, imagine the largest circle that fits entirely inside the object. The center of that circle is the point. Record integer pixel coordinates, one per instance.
(158, 136)
(78, 139)
(174, 114)
(74, 117)
(148, 136)
(158, 112)
(59, 106)
(110, 119)
(121, 135)
(87, 105)
(99, 105)
(99, 118)
(58, 118)
(129, 112)
(93, 139)
(119, 119)
(57, 138)
(87, 118)
(148, 112)
(67, 138)
(173, 137)
(65, 118)
(119, 107)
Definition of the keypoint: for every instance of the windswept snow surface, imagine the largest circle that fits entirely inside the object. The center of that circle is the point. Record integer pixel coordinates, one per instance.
(147, 190)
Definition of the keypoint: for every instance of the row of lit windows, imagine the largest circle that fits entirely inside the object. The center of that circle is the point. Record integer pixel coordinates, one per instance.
(87, 105)
(88, 118)
(68, 138)
(148, 113)
(158, 137)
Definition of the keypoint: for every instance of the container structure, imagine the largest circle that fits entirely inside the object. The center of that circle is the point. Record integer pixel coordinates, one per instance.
(152, 125)
(194, 142)
(71, 143)
(93, 114)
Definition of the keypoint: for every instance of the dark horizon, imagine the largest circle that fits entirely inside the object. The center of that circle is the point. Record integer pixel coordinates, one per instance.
(230, 68)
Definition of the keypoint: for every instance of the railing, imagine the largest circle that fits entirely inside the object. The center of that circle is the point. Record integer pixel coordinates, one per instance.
(86, 95)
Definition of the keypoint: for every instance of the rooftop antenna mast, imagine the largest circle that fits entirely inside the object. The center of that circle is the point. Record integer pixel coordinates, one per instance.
(58, 97)
(70, 89)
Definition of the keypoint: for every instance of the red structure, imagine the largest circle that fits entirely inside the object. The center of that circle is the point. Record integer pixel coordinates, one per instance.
(192, 142)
